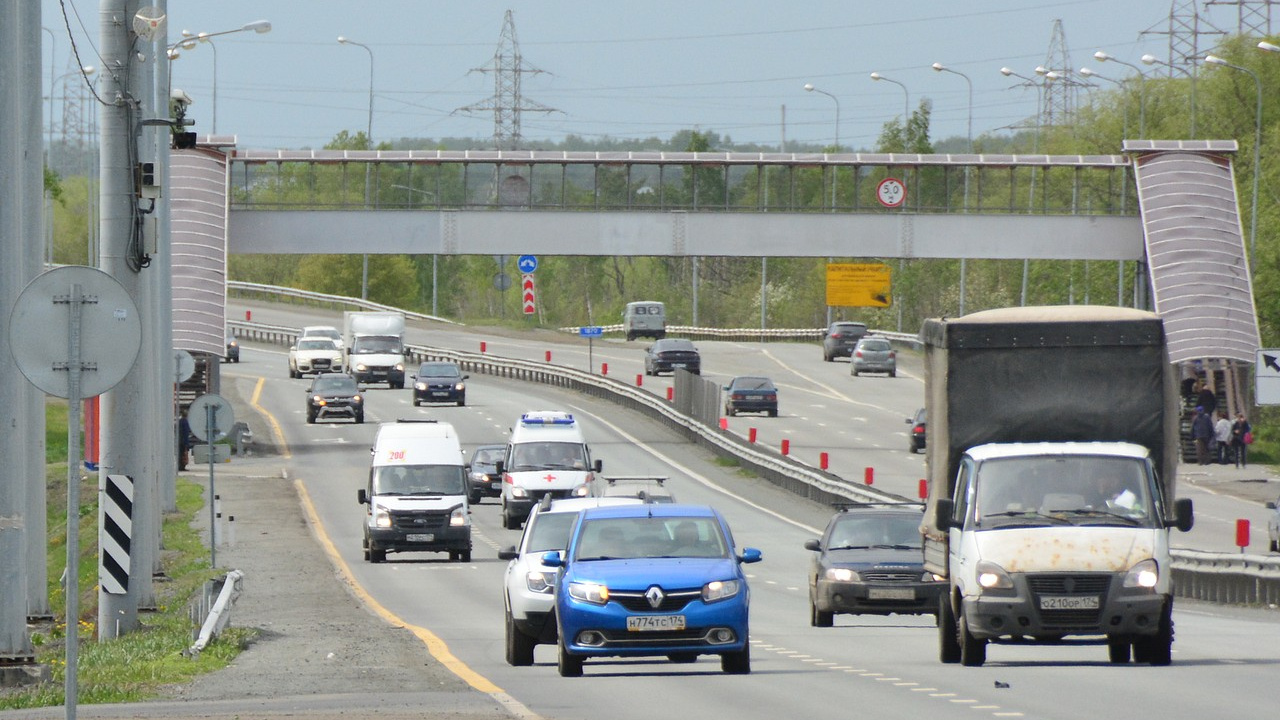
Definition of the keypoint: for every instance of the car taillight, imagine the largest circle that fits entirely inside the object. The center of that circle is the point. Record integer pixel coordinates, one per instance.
(918, 428)
(857, 353)
(507, 479)
(893, 354)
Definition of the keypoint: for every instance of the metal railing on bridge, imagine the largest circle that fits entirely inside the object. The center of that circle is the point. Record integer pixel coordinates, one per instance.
(679, 181)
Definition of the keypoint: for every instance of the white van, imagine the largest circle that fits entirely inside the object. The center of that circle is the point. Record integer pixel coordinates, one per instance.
(645, 318)
(416, 496)
(547, 455)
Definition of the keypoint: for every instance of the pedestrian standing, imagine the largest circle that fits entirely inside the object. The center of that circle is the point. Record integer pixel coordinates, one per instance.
(1221, 437)
(184, 440)
(1207, 399)
(1202, 434)
(1239, 430)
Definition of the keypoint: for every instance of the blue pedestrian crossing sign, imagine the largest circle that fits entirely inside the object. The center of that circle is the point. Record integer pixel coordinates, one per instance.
(527, 263)
(591, 331)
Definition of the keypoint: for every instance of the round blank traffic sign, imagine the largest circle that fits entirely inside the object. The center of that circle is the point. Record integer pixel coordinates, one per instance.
(208, 408)
(40, 331)
(184, 366)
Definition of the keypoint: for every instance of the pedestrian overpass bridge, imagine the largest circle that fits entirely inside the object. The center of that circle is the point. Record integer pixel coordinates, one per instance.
(1170, 206)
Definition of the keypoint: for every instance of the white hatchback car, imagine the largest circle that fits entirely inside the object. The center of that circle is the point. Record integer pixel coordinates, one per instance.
(530, 585)
(328, 332)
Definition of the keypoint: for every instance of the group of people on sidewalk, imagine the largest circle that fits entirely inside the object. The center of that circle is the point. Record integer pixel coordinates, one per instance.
(1222, 441)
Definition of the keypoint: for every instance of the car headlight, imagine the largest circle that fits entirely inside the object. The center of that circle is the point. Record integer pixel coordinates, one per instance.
(357, 398)
(460, 387)
(400, 366)
(932, 577)
(458, 518)
(479, 477)
(580, 491)
(420, 386)
(381, 518)
(719, 590)
(361, 367)
(589, 592)
(1145, 574)
(842, 575)
(993, 577)
(518, 492)
(543, 583)
(317, 399)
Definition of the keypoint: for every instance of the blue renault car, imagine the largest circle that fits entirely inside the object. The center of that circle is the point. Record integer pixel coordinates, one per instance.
(652, 580)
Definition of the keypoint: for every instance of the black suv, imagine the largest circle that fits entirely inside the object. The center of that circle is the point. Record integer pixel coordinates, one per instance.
(669, 354)
(334, 395)
(439, 382)
(840, 339)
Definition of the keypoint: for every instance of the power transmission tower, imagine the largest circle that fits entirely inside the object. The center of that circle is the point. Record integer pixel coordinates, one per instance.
(507, 103)
(1060, 91)
(1254, 16)
(1185, 27)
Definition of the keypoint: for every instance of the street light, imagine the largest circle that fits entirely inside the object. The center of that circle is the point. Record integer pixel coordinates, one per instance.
(1102, 56)
(906, 97)
(810, 88)
(939, 67)
(190, 41)
(1257, 145)
(835, 172)
(1086, 72)
(364, 272)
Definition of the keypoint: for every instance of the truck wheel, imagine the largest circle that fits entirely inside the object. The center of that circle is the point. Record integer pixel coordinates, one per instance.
(973, 652)
(568, 665)
(509, 522)
(1118, 649)
(737, 663)
(630, 337)
(1275, 546)
(948, 646)
(376, 554)
(1157, 649)
(460, 556)
(818, 618)
(519, 646)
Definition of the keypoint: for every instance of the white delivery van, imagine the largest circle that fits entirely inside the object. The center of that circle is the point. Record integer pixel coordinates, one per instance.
(645, 318)
(547, 455)
(416, 496)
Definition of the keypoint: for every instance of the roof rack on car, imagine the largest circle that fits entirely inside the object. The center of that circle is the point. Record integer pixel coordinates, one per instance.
(637, 478)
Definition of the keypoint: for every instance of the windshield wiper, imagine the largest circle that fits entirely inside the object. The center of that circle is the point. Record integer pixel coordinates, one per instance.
(1025, 515)
(1105, 513)
(850, 547)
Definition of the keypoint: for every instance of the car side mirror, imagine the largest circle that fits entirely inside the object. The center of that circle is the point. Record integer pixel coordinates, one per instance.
(362, 497)
(293, 347)
(907, 421)
(750, 555)
(413, 377)
(500, 467)
(943, 512)
(598, 466)
(1270, 506)
(464, 377)
(553, 559)
(508, 553)
(1183, 514)
(814, 545)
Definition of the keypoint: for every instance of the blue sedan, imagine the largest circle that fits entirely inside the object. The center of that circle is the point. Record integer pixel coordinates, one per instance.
(652, 580)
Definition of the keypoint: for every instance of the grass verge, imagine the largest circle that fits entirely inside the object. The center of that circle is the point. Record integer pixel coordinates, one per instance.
(138, 665)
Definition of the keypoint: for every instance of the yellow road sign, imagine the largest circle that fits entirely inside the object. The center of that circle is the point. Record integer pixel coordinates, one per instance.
(859, 284)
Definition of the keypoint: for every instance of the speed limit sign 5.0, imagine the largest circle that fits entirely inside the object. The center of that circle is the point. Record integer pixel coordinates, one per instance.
(891, 192)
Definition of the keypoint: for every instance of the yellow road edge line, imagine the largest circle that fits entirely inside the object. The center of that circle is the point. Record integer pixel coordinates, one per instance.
(271, 419)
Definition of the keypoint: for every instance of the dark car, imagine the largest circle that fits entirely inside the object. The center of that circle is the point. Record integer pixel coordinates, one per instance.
(439, 382)
(483, 478)
(233, 349)
(334, 395)
(916, 436)
(670, 354)
(749, 393)
(869, 561)
(840, 339)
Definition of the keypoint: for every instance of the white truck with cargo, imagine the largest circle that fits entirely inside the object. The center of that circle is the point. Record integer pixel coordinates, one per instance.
(375, 346)
(1052, 457)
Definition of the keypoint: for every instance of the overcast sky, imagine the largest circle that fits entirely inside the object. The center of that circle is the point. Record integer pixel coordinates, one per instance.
(629, 70)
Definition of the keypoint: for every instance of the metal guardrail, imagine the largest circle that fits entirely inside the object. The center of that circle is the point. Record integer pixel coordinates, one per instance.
(1214, 577)
(340, 300)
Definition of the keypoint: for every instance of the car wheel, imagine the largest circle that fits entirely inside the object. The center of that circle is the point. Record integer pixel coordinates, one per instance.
(568, 664)
(1118, 650)
(730, 411)
(416, 402)
(911, 447)
(360, 417)
(893, 373)
(1275, 546)
(1157, 649)
(773, 413)
(311, 417)
(973, 652)
(853, 371)
(630, 337)
(509, 522)
(376, 554)
(462, 401)
(474, 498)
(519, 646)
(826, 357)
(737, 663)
(818, 618)
(683, 658)
(948, 646)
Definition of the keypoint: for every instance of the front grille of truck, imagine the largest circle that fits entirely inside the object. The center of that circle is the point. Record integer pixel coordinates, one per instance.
(419, 521)
(1069, 584)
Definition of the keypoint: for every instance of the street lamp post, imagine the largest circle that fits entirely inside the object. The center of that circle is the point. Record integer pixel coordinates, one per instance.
(1035, 149)
(810, 88)
(1124, 194)
(1102, 56)
(1257, 146)
(939, 67)
(906, 98)
(189, 43)
(1150, 59)
(364, 271)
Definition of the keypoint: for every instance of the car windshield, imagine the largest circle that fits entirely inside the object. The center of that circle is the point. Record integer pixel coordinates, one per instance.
(752, 383)
(548, 455)
(1079, 490)
(550, 531)
(875, 530)
(674, 345)
(442, 370)
(370, 345)
(875, 345)
(837, 330)
(419, 480)
(335, 384)
(651, 537)
(488, 456)
(318, 344)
